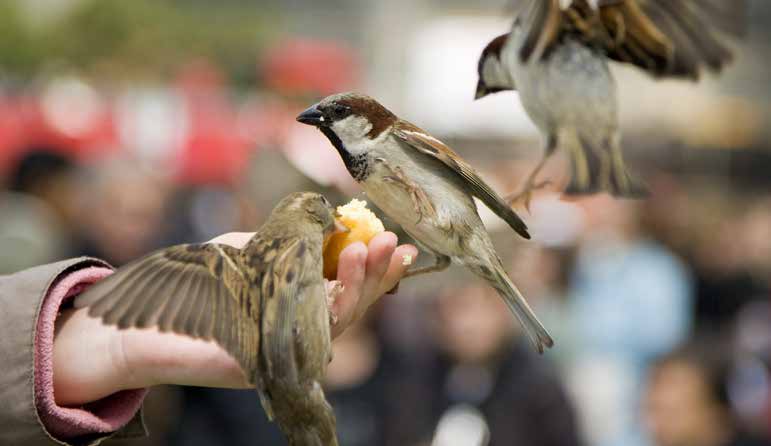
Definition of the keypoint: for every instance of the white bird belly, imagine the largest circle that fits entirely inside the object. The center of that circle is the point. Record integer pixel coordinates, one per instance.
(572, 87)
(433, 232)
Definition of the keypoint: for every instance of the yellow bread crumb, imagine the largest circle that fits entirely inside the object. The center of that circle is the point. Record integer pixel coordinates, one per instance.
(363, 225)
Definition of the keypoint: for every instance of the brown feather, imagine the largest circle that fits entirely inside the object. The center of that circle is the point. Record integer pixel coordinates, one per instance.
(544, 20)
(674, 38)
(151, 313)
(420, 141)
(172, 288)
(145, 295)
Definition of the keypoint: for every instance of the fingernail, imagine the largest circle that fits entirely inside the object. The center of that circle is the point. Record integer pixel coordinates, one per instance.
(392, 238)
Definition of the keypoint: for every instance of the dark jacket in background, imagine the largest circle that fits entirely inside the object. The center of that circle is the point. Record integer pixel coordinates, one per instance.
(520, 396)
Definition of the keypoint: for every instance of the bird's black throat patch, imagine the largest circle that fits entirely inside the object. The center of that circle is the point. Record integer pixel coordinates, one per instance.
(357, 165)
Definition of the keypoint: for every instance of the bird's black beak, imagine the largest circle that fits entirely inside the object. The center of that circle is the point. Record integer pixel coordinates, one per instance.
(312, 116)
(481, 90)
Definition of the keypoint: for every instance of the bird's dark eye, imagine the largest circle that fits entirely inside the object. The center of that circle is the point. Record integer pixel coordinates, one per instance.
(339, 111)
(326, 202)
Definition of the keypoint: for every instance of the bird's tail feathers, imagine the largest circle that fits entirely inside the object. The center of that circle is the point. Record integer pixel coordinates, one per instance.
(516, 302)
(599, 167)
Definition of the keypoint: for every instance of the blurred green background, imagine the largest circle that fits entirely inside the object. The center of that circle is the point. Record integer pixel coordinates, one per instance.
(130, 125)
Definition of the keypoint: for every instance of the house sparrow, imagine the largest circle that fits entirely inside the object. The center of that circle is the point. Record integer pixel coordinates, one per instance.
(556, 56)
(265, 304)
(426, 188)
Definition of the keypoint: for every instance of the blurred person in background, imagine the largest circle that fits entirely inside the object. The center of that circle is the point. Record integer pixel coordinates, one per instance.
(484, 362)
(726, 261)
(687, 399)
(724, 233)
(630, 300)
(750, 387)
(376, 387)
(38, 213)
(49, 174)
(542, 274)
(123, 208)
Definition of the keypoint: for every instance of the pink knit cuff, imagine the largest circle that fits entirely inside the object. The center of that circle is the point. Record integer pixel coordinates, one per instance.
(99, 417)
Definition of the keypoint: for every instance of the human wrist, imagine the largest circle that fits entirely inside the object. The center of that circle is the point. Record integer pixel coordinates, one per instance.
(72, 354)
(86, 359)
(149, 357)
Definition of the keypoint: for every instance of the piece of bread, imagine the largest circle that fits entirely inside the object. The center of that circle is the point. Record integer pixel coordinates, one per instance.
(363, 225)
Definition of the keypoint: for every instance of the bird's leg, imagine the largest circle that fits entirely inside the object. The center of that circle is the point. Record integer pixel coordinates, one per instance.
(603, 154)
(333, 289)
(441, 264)
(581, 169)
(524, 196)
(420, 201)
(617, 159)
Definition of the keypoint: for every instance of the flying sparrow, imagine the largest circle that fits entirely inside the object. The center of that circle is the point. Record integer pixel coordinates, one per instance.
(556, 56)
(426, 188)
(265, 304)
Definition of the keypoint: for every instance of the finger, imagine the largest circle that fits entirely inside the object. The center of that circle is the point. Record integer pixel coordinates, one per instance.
(380, 250)
(351, 271)
(397, 268)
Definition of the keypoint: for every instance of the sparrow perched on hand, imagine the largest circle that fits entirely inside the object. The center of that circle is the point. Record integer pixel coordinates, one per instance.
(265, 304)
(426, 188)
(556, 56)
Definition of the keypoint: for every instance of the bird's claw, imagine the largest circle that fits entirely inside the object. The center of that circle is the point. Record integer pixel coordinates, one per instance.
(521, 199)
(524, 197)
(333, 288)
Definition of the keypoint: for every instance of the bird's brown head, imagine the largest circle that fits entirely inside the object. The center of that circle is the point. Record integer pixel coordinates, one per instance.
(351, 122)
(493, 77)
(311, 208)
(349, 115)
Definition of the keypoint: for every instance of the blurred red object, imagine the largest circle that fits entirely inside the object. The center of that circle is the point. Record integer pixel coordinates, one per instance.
(213, 151)
(23, 124)
(13, 135)
(311, 67)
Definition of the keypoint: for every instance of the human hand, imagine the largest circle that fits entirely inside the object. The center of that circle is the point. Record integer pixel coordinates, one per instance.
(93, 360)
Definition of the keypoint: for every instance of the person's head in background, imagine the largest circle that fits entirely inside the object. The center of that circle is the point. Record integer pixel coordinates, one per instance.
(687, 401)
(50, 175)
(473, 324)
(123, 206)
(609, 218)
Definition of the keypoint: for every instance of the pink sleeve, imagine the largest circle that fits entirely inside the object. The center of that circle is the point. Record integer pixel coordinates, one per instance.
(99, 417)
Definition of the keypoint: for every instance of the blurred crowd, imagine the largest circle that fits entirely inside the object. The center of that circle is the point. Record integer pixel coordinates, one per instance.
(660, 308)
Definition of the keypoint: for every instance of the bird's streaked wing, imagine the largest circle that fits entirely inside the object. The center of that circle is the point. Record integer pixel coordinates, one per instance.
(418, 140)
(195, 290)
(663, 37)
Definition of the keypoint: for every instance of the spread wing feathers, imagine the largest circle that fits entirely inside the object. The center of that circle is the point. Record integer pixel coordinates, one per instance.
(283, 286)
(663, 37)
(195, 290)
(542, 22)
(280, 308)
(693, 29)
(423, 143)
